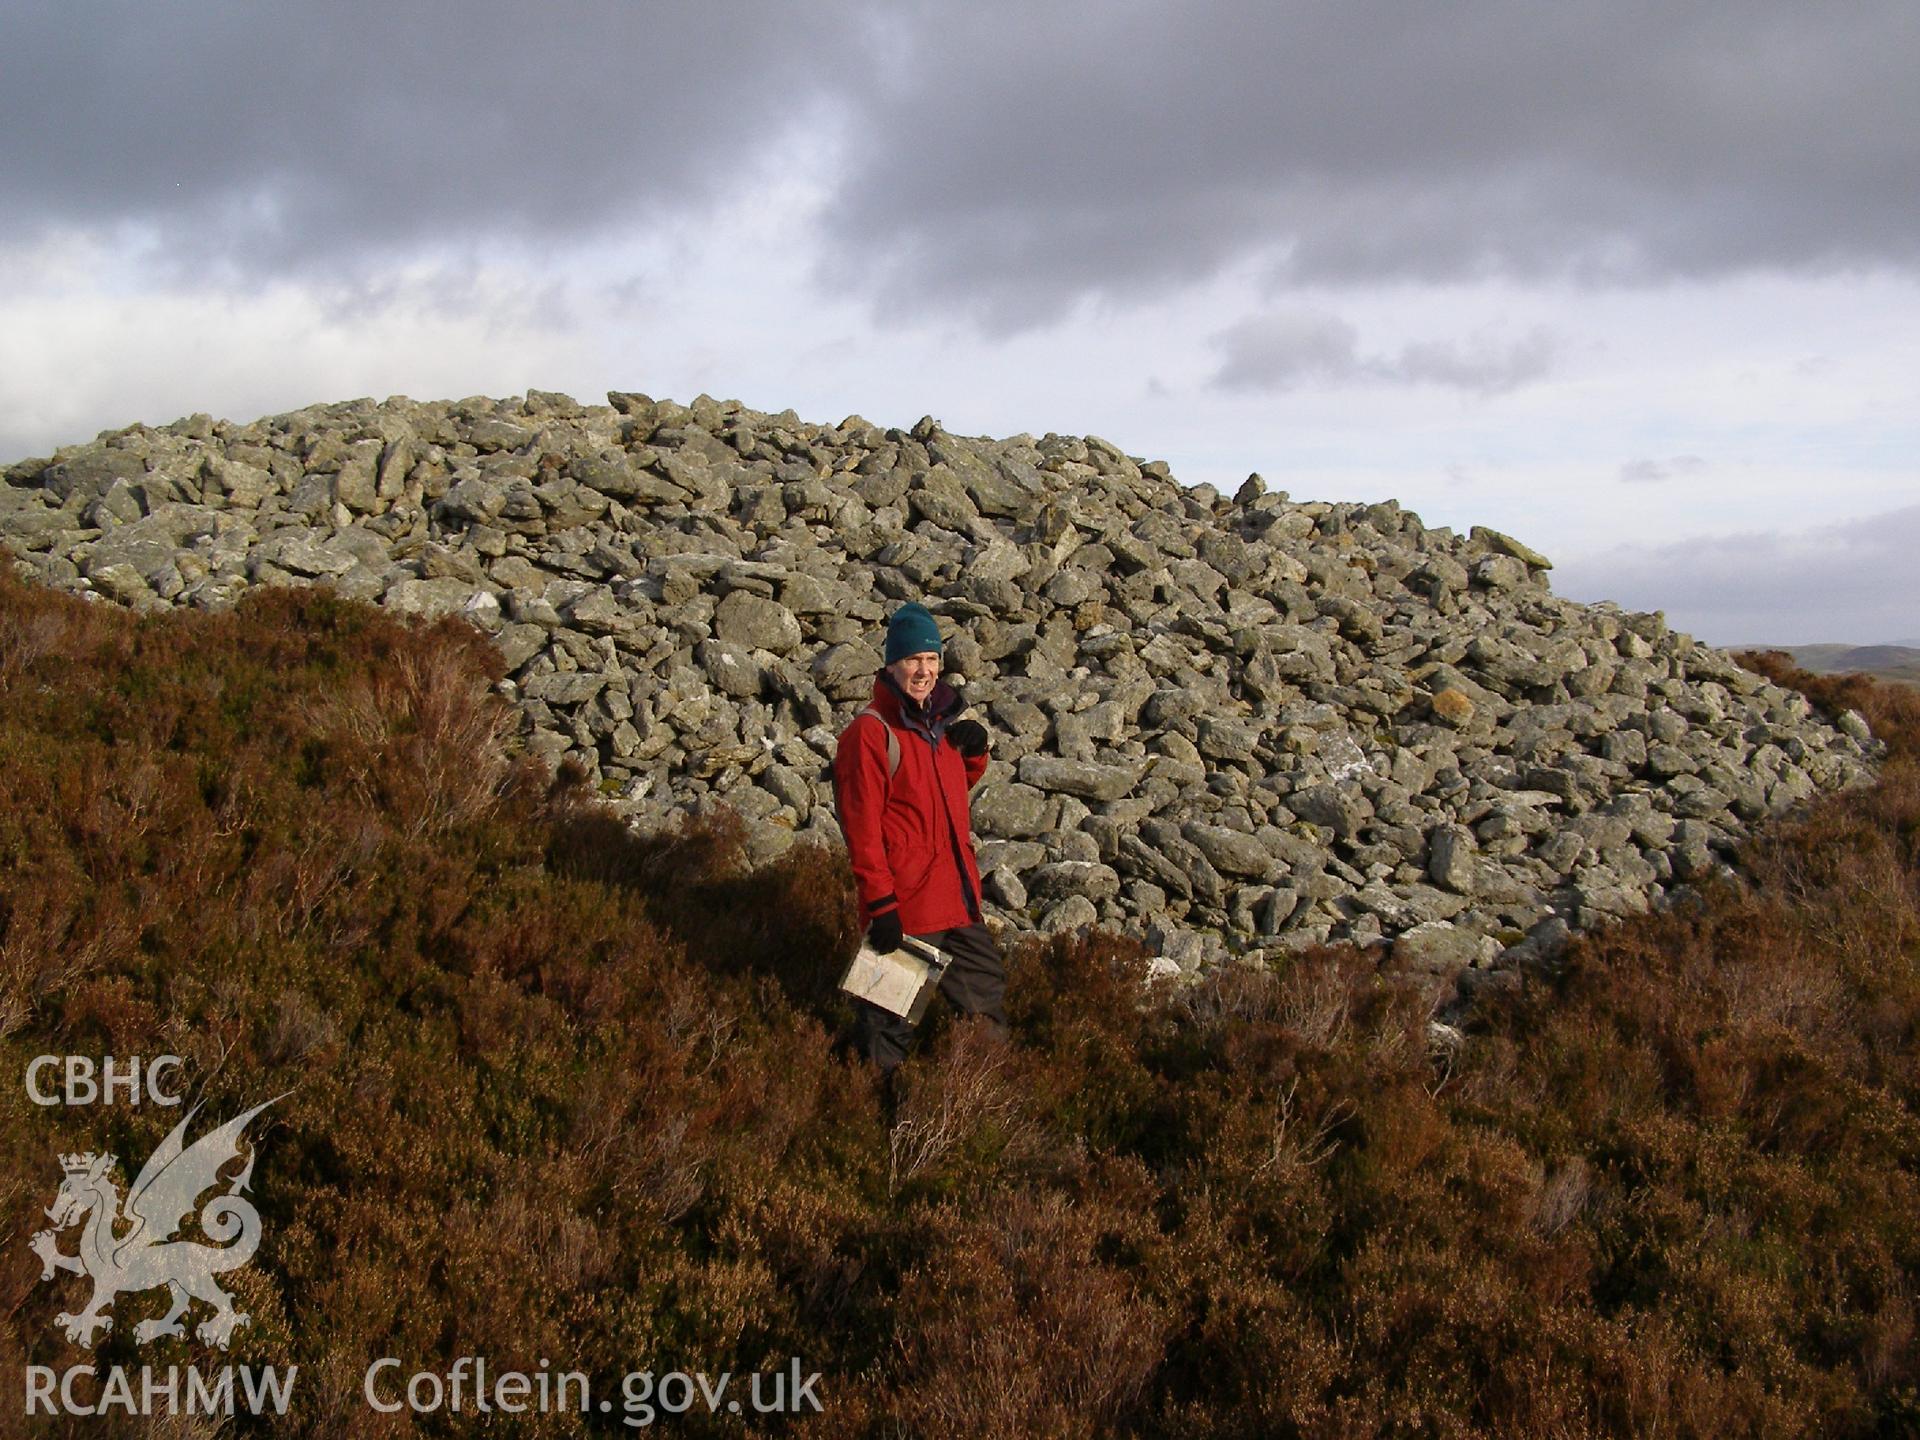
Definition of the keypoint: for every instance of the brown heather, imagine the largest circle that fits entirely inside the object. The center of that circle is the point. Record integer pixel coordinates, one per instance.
(558, 1091)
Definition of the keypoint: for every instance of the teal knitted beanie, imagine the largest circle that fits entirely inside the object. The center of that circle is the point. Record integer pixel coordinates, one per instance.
(911, 631)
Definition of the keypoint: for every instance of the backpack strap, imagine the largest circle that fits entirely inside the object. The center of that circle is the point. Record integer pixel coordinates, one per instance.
(893, 740)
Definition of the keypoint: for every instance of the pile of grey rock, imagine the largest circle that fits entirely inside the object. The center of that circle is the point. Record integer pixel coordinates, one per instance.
(1236, 726)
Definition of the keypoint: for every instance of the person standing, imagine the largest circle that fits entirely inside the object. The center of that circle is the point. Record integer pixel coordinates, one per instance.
(902, 772)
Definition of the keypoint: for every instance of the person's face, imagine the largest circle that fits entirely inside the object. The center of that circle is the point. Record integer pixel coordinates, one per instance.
(916, 674)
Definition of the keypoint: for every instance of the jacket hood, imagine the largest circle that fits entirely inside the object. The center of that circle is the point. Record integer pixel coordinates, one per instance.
(944, 705)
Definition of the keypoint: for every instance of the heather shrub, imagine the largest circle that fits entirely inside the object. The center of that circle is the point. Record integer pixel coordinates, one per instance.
(1014, 1324)
(550, 1088)
(967, 1103)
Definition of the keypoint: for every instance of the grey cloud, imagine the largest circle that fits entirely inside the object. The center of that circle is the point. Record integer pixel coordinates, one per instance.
(1005, 159)
(1020, 157)
(1655, 472)
(1278, 352)
(252, 137)
(1849, 583)
(1293, 348)
(1483, 365)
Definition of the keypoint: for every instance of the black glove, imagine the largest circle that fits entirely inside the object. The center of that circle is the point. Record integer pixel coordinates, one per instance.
(969, 737)
(884, 934)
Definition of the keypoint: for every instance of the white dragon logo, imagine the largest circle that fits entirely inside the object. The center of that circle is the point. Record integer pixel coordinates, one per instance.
(147, 1255)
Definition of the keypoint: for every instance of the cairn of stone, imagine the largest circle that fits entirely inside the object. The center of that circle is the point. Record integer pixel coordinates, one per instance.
(1235, 726)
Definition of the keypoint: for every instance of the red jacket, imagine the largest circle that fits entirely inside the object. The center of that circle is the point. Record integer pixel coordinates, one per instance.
(909, 836)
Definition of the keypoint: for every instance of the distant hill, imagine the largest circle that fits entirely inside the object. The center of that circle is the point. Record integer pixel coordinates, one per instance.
(1899, 663)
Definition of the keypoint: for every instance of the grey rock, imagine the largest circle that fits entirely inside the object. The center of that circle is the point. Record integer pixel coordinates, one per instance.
(305, 552)
(474, 500)
(733, 669)
(1561, 851)
(1182, 947)
(1076, 912)
(1625, 747)
(429, 599)
(1073, 877)
(809, 595)
(1278, 910)
(939, 497)
(1339, 809)
(355, 483)
(1201, 880)
(846, 671)
(1507, 545)
(520, 643)
(1074, 777)
(597, 611)
(1381, 900)
(565, 687)
(1011, 809)
(1231, 852)
(1226, 737)
(756, 623)
(88, 474)
(240, 485)
(1139, 859)
(491, 434)
(122, 583)
(1017, 855)
(1452, 859)
(1005, 889)
(1439, 948)
(119, 504)
(1666, 761)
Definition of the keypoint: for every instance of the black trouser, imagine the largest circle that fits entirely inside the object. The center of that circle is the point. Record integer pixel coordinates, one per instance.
(976, 983)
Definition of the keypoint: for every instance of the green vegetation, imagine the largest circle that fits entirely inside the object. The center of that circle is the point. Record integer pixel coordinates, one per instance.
(559, 1092)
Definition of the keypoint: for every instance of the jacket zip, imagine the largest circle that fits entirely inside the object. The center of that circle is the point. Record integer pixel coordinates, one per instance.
(953, 838)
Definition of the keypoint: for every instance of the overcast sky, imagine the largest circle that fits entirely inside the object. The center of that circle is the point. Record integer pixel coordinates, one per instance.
(1639, 283)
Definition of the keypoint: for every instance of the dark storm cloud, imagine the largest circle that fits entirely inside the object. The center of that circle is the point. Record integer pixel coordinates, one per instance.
(1019, 158)
(1852, 583)
(264, 134)
(1007, 158)
(1282, 351)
